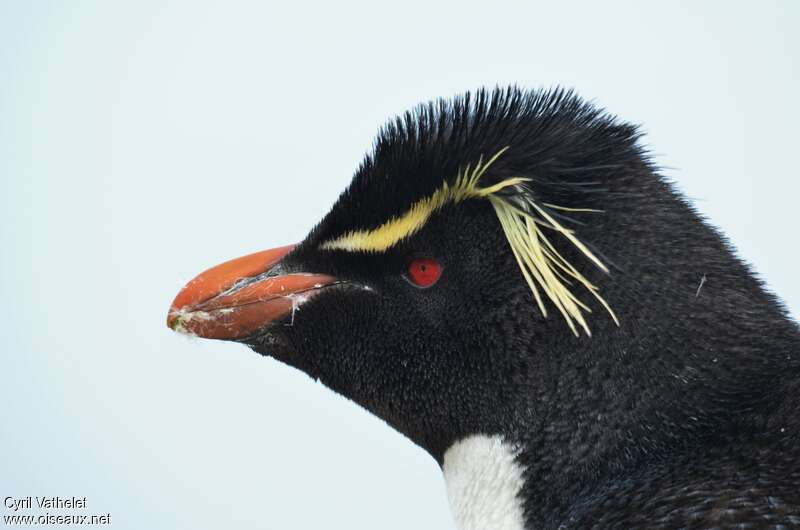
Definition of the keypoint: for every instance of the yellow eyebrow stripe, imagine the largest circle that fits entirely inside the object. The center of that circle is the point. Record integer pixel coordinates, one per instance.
(389, 233)
(398, 228)
(522, 218)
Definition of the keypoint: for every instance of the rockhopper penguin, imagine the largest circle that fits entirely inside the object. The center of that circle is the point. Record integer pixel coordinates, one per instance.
(509, 282)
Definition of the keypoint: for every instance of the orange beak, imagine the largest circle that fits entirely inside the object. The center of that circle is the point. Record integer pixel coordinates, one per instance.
(235, 299)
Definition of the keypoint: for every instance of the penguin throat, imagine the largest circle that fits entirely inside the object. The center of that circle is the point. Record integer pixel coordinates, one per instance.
(484, 481)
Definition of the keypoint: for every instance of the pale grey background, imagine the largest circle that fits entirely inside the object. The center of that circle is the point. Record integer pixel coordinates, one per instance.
(143, 141)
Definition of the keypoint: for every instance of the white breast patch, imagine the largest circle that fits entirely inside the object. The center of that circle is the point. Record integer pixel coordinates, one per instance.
(483, 482)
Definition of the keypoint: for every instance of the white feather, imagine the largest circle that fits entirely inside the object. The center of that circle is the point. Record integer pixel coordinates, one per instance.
(483, 481)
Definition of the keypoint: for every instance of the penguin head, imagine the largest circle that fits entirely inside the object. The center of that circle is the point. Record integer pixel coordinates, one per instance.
(449, 280)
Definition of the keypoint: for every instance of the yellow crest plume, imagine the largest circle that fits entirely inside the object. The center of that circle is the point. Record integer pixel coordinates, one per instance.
(523, 221)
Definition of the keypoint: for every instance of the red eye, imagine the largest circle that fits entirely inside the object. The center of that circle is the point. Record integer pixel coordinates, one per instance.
(424, 272)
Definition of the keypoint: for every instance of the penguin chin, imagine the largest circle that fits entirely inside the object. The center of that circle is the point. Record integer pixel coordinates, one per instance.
(274, 342)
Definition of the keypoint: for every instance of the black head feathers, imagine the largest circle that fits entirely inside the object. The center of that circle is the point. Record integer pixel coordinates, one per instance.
(536, 156)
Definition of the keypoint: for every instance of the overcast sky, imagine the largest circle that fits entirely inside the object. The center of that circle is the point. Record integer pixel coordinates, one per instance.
(141, 142)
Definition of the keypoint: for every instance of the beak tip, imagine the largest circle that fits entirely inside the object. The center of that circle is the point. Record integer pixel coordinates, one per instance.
(174, 319)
